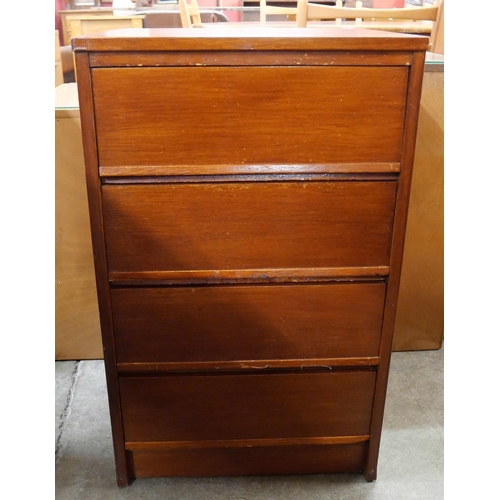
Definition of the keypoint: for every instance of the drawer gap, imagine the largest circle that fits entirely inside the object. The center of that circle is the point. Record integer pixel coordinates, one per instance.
(159, 369)
(200, 179)
(248, 276)
(244, 443)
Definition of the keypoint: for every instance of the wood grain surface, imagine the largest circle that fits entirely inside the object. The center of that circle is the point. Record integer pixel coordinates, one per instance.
(226, 407)
(238, 323)
(207, 115)
(248, 225)
(180, 414)
(420, 315)
(248, 461)
(248, 38)
(77, 327)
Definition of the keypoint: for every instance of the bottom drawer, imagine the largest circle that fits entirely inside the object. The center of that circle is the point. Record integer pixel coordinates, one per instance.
(248, 461)
(246, 406)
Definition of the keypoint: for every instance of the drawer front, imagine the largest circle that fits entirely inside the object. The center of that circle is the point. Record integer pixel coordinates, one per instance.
(231, 323)
(259, 225)
(221, 115)
(226, 407)
(253, 460)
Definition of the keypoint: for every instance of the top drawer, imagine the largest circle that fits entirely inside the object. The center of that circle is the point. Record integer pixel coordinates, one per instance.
(261, 115)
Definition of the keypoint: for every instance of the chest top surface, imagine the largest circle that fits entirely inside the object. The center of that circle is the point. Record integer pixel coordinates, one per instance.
(249, 39)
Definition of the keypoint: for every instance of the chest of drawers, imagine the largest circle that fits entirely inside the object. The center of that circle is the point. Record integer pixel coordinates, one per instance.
(248, 192)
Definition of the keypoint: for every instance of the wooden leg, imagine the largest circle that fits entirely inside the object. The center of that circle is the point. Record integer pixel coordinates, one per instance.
(370, 475)
(124, 470)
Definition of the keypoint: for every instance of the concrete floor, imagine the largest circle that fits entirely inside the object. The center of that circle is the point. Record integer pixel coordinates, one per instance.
(410, 463)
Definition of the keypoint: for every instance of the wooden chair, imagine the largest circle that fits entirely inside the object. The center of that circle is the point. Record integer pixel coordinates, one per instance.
(310, 11)
(190, 13)
(172, 19)
(437, 34)
(266, 10)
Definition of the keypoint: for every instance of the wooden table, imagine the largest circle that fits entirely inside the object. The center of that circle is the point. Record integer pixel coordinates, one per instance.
(84, 21)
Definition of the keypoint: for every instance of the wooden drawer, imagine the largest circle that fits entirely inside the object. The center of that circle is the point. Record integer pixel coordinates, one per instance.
(261, 225)
(255, 460)
(183, 326)
(255, 406)
(218, 115)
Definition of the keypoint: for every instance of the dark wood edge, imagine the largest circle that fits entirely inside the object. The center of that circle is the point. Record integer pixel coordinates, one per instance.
(188, 170)
(214, 276)
(245, 365)
(415, 78)
(197, 179)
(99, 250)
(249, 39)
(244, 443)
(247, 58)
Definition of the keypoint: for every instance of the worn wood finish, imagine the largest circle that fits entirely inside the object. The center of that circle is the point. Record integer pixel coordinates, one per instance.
(252, 225)
(411, 120)
(242, 276)
(159, 171)
(243, 443)
(239, 390)
(251, 110)
(255, 58)
(267, 365)
(298, 459)
(210, 407)
(123, 473)
(247, 322)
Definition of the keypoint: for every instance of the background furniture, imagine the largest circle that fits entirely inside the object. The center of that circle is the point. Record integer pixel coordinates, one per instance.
(420, 314)
(190, 13)
(83, 4)
(172, 19)
(59, 79)
(84, 21)
(77, 328)
(437, 38)
(273, 10)
(247, 281)
(309, 11)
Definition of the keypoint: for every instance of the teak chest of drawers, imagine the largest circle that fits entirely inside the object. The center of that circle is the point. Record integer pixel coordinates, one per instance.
(248, 192)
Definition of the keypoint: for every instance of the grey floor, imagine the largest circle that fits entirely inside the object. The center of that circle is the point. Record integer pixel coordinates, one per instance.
(410, 463)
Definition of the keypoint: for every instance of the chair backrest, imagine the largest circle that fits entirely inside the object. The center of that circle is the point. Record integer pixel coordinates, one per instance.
(190, 13)
(437, 35)
(310, 11)
(266, 10)
(172, 19)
